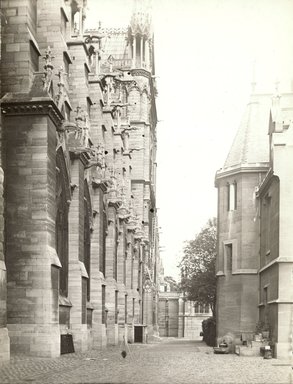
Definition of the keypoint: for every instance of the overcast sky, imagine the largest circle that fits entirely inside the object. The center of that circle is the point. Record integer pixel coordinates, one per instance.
(207, 53)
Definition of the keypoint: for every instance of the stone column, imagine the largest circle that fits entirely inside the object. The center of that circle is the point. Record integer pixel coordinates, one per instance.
(181, 311)
(141, 51)
(134, 52)
(147, 54)
(97, 277)
(122, 321)
(112, 327)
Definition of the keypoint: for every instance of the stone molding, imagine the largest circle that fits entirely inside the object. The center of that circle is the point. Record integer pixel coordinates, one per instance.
(41, 107)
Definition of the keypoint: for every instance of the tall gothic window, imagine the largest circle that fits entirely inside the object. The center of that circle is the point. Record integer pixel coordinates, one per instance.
(104, 235)
(124, 259)
(103, 304)
(61, 222)
(87, 235)
(115, 258)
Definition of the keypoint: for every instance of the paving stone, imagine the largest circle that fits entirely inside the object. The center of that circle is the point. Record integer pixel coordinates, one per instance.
(171, 361)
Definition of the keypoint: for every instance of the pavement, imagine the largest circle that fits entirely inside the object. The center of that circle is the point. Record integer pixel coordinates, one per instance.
(170, 361)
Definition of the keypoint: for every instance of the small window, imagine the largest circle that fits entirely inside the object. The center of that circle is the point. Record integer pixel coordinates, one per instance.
(67, 111)
(86, 74)
(104, 133)
(232, 196)
(88, 106)
(103, 304)
(133, 308)
(63, 24)
(125, 309)
(265, 295)
(66, 62)
(83, 300)
(34, 54)
(229, 257)
(116, 307)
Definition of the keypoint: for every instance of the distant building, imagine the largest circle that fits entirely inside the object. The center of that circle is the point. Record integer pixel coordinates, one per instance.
(254, 224)
(79, 250)
(178, 317)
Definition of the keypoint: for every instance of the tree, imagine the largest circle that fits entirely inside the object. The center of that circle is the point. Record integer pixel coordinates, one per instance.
(198, 276)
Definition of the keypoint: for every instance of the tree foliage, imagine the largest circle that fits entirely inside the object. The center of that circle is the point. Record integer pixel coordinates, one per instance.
(198, 277)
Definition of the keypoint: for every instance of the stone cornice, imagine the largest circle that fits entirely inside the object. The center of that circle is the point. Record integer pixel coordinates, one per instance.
(279, 260)
(33, 107)
(244, 168)
(140, 181)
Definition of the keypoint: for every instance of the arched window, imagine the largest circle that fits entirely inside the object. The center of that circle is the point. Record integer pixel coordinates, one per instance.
(87, 234)
(104, 225)
(61, 221)
(115, 258)
(232, 196)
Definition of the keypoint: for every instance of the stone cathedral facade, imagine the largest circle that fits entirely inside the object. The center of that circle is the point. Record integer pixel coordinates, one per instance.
(79, 251)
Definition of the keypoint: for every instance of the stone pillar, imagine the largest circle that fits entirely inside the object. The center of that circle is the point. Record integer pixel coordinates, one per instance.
(122, 302)
(141, 51)
(112, 326)
(181, 320)
(134, 52)
(31, 259)
(97, 277)
(147, 55)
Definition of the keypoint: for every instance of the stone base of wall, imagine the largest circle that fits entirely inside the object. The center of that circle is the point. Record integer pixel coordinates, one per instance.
(112, 334)
(80, 337)
(35, 340)
(103, 339)
(152, 334)
(283, 351)
(130, 333)
(122, 332)
(193, 326)
(5, 345)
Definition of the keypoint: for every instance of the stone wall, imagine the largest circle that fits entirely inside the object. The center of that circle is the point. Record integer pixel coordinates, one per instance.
(72, 112)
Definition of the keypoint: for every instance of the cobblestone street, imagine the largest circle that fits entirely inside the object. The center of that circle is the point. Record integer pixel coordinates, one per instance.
(171, 361)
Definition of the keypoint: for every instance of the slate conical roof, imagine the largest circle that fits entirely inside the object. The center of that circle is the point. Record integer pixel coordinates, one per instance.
(250, 147)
